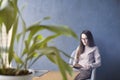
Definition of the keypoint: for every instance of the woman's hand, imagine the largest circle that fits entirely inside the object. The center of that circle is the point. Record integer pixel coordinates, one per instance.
(87, 67)
(77, 66)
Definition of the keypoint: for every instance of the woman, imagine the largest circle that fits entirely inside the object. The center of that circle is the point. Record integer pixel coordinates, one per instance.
(86, 57)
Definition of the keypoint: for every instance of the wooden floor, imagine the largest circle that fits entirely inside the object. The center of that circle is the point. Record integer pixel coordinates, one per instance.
(54, 75)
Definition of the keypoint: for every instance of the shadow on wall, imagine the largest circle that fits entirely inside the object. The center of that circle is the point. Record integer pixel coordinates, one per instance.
(110, 68)
(107, 72)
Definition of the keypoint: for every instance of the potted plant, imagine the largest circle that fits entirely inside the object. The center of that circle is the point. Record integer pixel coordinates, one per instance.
(27, 46)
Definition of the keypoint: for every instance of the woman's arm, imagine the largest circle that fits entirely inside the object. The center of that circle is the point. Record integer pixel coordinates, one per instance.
(72, 60)
(97, 58)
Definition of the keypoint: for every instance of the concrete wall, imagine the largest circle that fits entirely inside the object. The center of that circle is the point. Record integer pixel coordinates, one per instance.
(102, 17)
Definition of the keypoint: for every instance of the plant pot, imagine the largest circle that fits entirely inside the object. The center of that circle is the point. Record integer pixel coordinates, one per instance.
(22, 77)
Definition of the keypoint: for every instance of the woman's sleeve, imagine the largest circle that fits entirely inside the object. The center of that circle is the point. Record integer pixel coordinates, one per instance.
(97, 58)
(72, 59)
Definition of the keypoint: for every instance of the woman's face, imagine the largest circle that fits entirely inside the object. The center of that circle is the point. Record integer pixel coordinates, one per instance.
(84, 40)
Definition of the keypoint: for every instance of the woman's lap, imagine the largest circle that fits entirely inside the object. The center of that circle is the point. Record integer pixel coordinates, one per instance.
(84, 74)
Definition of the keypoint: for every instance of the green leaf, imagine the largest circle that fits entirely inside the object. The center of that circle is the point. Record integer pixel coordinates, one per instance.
(46, 18)
(37, 45)
(17, 59)
(63, 30)
(11, 49)
(53, 55)
(18, 36)
(8, 14)
(39, 55)
(46, 40)
(68, 56)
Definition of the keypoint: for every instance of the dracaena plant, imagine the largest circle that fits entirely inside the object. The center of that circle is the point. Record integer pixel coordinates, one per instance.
(27, 46)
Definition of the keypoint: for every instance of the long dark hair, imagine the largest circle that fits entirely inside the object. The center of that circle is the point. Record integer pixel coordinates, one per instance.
(90, 42)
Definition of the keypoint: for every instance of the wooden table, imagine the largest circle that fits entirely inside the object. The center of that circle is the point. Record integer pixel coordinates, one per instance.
(55, 75)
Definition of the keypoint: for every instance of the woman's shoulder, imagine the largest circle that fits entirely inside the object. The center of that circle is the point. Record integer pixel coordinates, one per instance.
(95, 47)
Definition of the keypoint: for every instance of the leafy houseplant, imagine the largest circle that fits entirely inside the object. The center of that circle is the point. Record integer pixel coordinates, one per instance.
(32, 46)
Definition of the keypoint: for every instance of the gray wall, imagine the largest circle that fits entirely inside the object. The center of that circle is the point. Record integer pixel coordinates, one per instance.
(102, 17)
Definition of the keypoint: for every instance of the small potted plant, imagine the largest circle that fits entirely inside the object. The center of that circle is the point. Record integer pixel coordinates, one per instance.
(27, 46)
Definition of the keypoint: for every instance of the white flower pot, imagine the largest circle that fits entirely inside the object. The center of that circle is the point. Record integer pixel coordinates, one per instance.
(26, 77)
(22, 77)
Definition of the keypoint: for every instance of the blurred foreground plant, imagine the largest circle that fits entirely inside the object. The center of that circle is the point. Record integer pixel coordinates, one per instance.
(26, 47)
